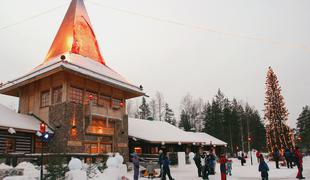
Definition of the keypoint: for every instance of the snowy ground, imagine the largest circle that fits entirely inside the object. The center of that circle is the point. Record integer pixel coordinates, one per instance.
(247, 172)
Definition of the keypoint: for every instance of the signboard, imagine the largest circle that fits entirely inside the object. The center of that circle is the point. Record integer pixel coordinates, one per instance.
(74, 143)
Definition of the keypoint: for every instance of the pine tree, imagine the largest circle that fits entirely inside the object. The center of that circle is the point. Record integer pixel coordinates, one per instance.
(278, 133)
(185, 121)
(169, 115)
(144, 110)
(303, 126)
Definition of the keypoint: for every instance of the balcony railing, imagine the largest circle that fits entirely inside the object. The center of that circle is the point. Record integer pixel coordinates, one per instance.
(105, 112)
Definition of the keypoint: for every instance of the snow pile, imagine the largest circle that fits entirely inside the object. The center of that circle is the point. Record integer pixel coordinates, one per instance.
(115, 168)
(76, 172)
(4, 166)
(29, 170)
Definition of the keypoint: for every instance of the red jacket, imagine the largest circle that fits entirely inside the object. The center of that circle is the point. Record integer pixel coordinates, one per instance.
(298, 156)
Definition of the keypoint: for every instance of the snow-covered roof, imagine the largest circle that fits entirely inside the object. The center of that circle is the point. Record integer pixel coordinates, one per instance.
(82, 65)
(159, 131)
(12, 119)
(206, 138)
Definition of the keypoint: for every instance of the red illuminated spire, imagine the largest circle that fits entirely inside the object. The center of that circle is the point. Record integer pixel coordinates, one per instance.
(76, 35)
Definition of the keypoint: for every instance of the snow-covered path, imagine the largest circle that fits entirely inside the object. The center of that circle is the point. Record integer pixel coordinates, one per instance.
(247, 172)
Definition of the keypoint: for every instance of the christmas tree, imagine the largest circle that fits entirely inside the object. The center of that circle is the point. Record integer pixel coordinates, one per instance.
(278, 133)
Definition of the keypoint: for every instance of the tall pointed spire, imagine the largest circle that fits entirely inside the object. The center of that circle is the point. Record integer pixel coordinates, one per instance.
(76, 35)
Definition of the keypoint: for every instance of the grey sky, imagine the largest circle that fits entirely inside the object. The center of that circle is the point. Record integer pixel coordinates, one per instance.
(176, 59)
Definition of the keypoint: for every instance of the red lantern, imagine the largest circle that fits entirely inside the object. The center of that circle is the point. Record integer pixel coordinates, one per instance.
(90, 97)
(121, 104)
(42, 127)
(299, 138)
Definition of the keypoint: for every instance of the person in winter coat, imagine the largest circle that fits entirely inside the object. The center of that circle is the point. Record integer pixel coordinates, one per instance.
(299, 162)
(166, 169)
(204, 166)
(223, 162)
(197, 160)
(150, 169)
(160, 159)
(242, 159)
(263, 168)
(136, 164)
(288, 158)
(211, 162)
(276, 157)
(257, 156)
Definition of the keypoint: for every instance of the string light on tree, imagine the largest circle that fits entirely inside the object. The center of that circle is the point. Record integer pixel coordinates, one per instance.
(276, 115)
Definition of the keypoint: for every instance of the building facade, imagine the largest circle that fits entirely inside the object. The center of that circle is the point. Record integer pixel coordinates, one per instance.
(76, 93)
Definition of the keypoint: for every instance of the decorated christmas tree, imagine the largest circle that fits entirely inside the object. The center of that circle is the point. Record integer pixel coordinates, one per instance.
(278, 133)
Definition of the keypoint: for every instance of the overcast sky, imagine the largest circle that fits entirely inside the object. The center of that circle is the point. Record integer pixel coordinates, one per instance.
(191, 46)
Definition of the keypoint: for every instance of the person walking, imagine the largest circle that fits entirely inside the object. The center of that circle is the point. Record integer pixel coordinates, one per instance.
(223, 162)
(263, 168)
(197, 160)
(299, 162)
(166, 169)
(204, 166)
(136, 165)
(276, 157)
(288, 158)
(160, 160)
(242, 159)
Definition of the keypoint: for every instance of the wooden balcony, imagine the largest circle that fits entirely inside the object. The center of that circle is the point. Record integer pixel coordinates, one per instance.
(104, 112)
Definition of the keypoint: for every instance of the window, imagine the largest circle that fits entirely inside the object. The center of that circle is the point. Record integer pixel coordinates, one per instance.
(95, 97)
(100, 126)
(104, 100)
(76, 95)
(116, 103)
(45, 98)
(9, 145)
(98, 148)
(57, 95)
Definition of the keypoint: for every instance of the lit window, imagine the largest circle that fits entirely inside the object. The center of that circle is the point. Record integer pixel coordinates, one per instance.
(45, 98)
(76, 95)
(57, 95)
(9, 145)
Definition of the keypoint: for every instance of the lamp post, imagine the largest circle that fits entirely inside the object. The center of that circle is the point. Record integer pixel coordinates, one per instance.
(42, 131)
(249, 147)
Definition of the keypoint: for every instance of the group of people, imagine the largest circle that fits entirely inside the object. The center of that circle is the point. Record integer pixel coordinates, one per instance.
(292, 157)
(163, 164)
(206, 161)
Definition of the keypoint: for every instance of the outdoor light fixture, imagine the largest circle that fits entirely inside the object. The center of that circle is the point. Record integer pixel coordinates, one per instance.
(38, 133)
(163, 143)
(179, 143)
(11, 131)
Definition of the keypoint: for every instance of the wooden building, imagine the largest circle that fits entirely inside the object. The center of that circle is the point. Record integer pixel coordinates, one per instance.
(75, 92)
(148, 137)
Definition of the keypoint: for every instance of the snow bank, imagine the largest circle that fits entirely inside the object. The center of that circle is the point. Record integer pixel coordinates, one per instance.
(4, 166)
(29, 170)
(76, 174)
(116, 169)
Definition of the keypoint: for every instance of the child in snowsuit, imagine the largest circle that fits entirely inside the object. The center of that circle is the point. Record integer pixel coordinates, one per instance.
(150, 169)
(263, 168)
(229, 167)
(223, 162)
